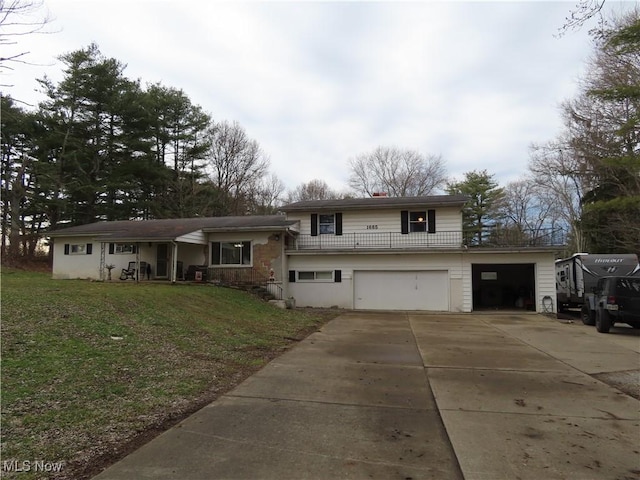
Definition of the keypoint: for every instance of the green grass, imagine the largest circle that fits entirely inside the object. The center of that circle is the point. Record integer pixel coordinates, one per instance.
(86, 366)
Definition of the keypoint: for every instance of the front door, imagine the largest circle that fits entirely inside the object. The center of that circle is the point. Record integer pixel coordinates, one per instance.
(162, 260)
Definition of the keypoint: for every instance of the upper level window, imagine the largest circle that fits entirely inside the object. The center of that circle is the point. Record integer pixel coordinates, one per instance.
(418, 221)
(231, 253)
(327, 224)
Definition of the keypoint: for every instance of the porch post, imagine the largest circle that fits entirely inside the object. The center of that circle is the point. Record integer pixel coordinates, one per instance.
(174, 261)
(137, 261)
(102, 254)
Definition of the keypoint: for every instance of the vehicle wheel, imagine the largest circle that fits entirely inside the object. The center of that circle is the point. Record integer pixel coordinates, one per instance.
(603, 321)
(587, 315)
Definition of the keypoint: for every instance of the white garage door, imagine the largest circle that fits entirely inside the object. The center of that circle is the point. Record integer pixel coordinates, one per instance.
(407, 290)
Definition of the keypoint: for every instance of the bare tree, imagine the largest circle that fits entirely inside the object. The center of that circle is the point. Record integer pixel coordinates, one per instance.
(528, 206)
(237, 164)
(266, 197)
(312, 190)
(399, 173)
(583, 11)
(17, 19)
(562, 177)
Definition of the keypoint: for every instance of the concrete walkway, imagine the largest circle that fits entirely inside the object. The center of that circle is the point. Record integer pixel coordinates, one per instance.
(513, 399)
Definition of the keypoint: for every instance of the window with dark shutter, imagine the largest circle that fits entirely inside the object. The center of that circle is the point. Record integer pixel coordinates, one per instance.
(112, 248)
(215, 253)
(337, 276)
(89, 248)
(404, 222)
(66, 249)
(314, 224)
(431, 221)
(338, 223)
(292, 276)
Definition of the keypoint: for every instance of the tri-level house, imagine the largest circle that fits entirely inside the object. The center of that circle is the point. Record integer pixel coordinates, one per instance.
(379, 253)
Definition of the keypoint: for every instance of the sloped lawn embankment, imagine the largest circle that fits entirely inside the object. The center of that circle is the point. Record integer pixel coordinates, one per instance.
(91, 370)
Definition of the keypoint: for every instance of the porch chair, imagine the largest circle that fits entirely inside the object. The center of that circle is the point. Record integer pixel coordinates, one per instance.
(129, 272)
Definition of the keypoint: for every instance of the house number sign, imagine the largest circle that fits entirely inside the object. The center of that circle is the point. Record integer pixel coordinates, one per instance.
(372, 227)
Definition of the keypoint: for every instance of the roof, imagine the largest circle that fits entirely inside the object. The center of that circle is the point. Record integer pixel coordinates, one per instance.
(377, 203)
(172, 228)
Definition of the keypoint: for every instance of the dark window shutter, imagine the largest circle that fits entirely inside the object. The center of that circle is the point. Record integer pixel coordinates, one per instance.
(135, 249)
(89, 248)
(246, 253)
(314, 224)
(431, 221)
(112, 248)
(215, 253)
(66, 249)
(292, 276)
(404, 222)
(338, 223)
(337, 276)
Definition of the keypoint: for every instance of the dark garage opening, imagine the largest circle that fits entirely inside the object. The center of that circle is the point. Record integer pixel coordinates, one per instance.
(508, 287)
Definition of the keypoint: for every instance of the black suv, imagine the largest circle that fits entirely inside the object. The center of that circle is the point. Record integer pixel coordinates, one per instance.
(617, 301)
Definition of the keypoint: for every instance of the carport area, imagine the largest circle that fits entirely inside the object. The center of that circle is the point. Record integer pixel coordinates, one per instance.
(410, 395)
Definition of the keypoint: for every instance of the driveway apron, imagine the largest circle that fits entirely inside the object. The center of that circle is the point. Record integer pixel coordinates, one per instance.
(418, 396)
(351, 401)
(518, 401)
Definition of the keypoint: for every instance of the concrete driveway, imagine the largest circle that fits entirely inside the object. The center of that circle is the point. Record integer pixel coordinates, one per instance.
(419, 396)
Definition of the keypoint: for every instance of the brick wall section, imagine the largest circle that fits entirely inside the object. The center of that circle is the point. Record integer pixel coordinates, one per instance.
(268, 257)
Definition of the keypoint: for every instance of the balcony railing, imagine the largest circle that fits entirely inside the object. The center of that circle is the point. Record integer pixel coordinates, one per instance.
(455, 239)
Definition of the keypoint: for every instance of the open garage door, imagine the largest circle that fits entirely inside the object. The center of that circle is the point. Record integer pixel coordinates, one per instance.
(503, 286)
(401, 290)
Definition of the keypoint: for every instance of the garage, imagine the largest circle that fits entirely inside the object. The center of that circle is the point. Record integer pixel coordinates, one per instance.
(503, 286)
(401, 290)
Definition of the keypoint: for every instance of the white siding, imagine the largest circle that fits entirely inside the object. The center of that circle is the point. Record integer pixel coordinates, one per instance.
(448, 219)
(198, 237)
(76, 266)
(320, 294)
(255, 237)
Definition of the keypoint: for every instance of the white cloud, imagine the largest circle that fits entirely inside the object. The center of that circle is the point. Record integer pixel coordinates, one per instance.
(318, 83)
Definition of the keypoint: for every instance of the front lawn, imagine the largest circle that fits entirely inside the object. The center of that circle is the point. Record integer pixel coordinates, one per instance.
(90, 370)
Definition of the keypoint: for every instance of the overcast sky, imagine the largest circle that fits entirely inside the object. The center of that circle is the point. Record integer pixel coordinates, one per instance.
(319, 83)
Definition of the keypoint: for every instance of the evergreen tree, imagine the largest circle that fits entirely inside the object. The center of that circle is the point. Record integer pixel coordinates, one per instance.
(482, 210)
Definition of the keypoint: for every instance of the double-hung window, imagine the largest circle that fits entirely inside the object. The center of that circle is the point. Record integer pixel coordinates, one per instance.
(326, 224)
(231, 253)
(418, 221)
(415, 221)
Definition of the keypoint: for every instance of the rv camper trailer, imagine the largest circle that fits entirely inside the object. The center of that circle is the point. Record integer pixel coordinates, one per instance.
(577, 275)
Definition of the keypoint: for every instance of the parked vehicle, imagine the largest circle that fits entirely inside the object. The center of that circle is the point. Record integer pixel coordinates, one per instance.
(577, 276)
(617, 301)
